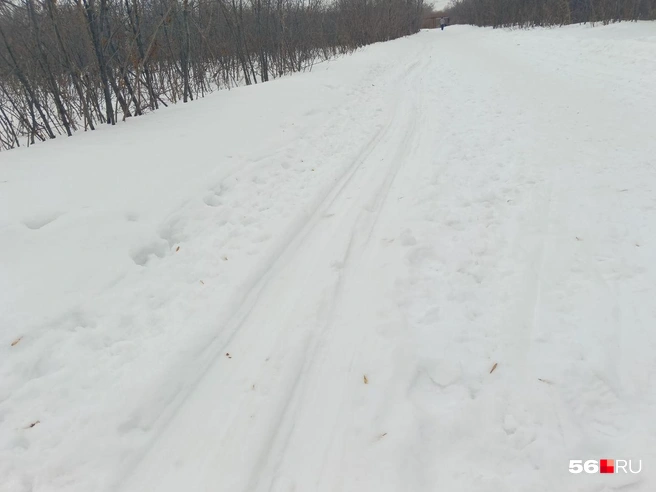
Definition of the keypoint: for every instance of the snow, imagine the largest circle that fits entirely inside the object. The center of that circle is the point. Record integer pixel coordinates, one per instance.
(426, 266)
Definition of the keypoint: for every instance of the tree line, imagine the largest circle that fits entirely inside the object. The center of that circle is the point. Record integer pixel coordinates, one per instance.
(534, 13)
(68, 65)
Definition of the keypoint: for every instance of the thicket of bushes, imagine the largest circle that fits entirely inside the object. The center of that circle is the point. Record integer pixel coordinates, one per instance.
(532, 13)
(67, 65)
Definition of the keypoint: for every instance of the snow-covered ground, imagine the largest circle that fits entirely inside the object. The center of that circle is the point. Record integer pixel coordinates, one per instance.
(429, 266)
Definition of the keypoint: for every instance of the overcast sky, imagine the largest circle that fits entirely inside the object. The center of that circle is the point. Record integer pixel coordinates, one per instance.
(440, 4)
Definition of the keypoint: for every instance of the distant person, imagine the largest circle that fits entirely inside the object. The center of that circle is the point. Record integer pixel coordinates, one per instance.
(442, 22)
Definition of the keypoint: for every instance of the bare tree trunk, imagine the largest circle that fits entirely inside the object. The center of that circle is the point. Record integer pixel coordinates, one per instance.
(29, 92)
(135, 22)
(95, 24)
(54, 88)
(184, 53)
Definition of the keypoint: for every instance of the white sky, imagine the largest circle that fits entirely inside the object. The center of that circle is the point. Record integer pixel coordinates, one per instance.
(440, 4)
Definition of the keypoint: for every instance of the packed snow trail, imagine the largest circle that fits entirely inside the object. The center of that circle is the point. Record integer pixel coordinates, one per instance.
(443, 279)
(489, 279)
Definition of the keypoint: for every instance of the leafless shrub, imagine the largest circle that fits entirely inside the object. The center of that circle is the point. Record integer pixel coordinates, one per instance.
(67, 65)
(533, 13)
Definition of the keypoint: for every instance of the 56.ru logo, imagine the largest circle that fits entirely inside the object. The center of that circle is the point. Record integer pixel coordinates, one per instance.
(604, 466)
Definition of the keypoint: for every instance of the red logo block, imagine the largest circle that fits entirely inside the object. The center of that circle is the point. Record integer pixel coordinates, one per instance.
(606, 466)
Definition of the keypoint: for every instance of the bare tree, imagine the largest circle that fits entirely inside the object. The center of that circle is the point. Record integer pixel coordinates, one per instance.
(69, 64)
(530, 13)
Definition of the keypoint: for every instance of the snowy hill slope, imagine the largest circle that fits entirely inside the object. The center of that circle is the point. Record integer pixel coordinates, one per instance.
(426, 266)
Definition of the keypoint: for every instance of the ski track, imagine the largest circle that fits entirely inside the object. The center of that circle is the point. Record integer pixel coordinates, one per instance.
(284, 254)
(346, 214)
(437, 274)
